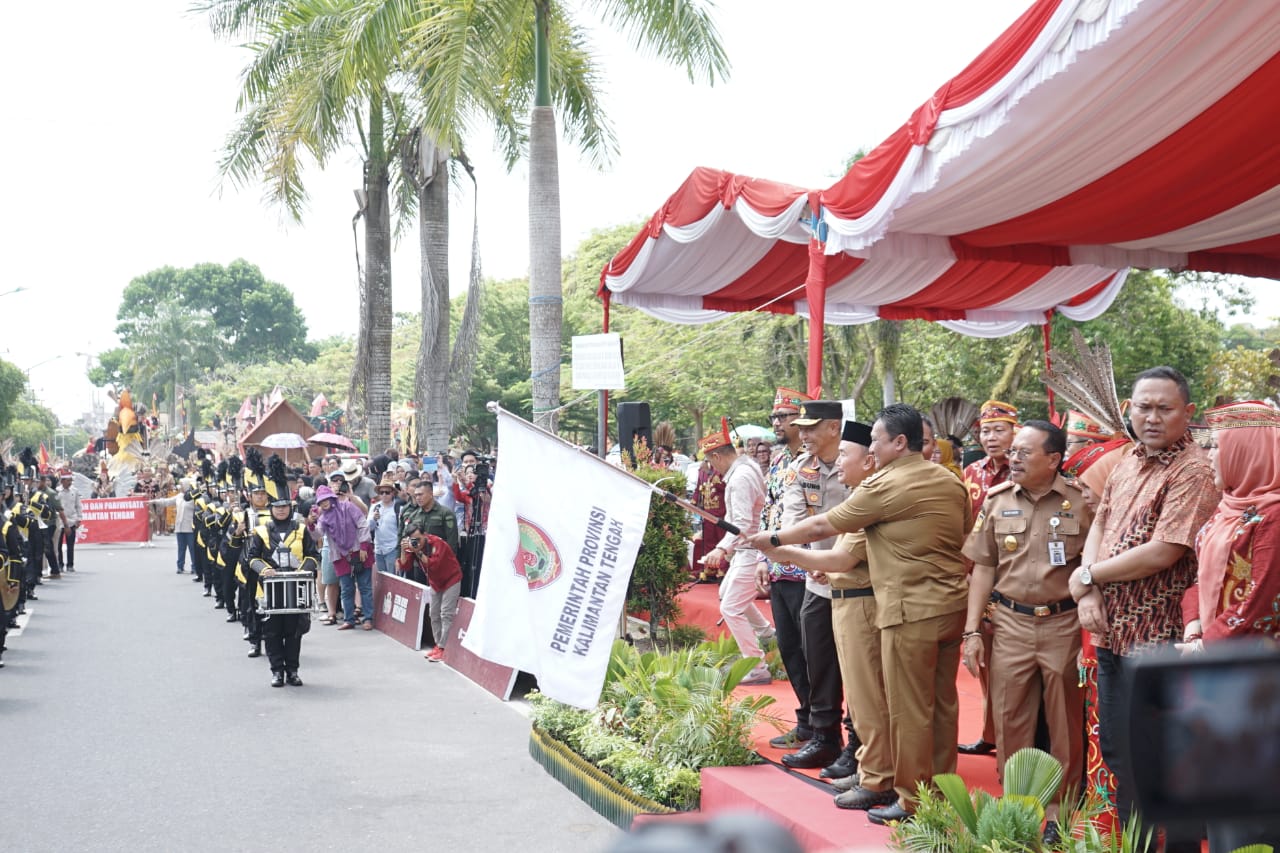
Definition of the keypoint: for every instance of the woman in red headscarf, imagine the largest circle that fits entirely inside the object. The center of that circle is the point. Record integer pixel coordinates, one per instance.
(1237, 591)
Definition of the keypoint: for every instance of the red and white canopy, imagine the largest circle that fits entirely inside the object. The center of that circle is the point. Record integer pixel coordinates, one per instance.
(725, 243)
(1111, 132)
(1092, 136)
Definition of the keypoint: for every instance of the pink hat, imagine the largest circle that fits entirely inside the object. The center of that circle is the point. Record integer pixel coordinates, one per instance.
(324, 493)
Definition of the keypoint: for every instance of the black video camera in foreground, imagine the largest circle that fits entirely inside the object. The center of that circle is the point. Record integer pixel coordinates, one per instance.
(1205, 734)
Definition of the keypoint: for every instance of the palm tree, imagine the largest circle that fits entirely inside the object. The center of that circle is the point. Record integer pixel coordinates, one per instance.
(174, 342)
(323, 72)
(544, 57)
(319, 77)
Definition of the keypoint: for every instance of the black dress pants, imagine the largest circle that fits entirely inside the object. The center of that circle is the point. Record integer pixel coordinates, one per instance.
(826, 690)
(785, 600)
(282, 640)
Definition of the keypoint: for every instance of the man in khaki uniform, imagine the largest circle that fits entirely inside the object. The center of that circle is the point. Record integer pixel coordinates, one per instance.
(916, 516)
(853, 621)
(1025, 545)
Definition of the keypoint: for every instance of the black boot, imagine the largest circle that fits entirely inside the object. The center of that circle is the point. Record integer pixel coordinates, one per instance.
(818, 752)
(277, 679)
(256, 651)
(293, 679)
(845, 765)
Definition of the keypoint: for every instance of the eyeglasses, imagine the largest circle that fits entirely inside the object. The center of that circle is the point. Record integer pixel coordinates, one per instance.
(1020, 454)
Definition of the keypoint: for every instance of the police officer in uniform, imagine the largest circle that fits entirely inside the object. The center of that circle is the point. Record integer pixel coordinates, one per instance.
(283, 543)
(813, 486)
(1025, 545)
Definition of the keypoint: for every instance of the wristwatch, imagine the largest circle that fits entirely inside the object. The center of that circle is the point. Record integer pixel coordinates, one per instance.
(774, 540)
(1086, 576)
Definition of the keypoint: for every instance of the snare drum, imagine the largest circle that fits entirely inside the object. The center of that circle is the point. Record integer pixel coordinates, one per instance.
(287, 592)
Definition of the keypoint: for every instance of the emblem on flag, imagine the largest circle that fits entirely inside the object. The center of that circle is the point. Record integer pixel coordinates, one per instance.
(537, 560)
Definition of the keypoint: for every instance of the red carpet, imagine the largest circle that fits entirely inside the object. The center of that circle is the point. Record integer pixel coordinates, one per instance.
(805, 804)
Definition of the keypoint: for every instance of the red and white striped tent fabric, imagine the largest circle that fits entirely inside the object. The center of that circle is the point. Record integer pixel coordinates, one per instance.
(1092, 136)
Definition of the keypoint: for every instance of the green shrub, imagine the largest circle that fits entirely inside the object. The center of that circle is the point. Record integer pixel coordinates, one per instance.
(950, 819)
(661, 571)
(685, 636)
(662, 718)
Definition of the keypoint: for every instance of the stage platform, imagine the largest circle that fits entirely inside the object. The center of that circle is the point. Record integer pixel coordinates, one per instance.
(798, 799)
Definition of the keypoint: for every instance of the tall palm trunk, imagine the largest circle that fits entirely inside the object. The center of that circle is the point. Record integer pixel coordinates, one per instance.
(377, 235)
(888, 343)
(431, 377)
(545, 297)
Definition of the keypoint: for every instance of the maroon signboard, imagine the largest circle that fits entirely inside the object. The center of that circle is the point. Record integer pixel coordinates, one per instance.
(494, 677)
(401, 608)
(113, 520)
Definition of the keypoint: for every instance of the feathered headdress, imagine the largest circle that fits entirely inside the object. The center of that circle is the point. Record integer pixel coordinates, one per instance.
(278, 481)
(664, 435)
(954, 417)
(1085, 378)
(235, 472)
(256, 475)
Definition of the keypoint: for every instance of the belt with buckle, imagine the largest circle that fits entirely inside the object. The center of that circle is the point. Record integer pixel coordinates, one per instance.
(864, 592)
(1035, 609)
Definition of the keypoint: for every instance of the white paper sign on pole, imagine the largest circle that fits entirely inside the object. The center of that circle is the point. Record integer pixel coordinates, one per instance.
(597, 363)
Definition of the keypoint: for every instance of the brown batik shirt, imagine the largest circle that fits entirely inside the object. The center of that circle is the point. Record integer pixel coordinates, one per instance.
(1164, 496)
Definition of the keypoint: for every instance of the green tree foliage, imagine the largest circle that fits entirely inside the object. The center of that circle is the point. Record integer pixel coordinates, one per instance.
(29, 424)
(1146, 327)
(1240, 374)
(112, 368)
(12, 382)
(255, 318)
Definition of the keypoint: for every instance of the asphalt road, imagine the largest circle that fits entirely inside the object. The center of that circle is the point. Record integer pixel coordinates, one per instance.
(132, 720)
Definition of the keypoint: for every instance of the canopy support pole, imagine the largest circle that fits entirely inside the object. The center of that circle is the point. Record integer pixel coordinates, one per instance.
(815, 291)
(1045, 334)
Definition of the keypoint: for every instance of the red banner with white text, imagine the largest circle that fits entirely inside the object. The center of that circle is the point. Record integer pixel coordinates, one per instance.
(113, 520)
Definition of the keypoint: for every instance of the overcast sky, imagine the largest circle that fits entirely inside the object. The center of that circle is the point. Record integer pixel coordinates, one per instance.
(116, 113)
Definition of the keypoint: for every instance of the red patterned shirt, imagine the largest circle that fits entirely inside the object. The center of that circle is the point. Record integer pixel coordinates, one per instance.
(1164, 496)
(981, 477)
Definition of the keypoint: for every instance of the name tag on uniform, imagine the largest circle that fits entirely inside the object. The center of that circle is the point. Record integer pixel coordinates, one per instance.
(1057, 552)
(1010, 513)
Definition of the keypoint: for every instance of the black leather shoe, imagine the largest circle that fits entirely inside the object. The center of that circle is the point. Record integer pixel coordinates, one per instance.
(31, 596)
(792, 739)
(889, 814)
(859, 797)
(293, 679)
(256, 651)
(277, 679)
(217, 605)
(1052, 837)
(207, 594)
(978, 747)
(197, 579)
(232, 617)
(814, 754)
(843, 767)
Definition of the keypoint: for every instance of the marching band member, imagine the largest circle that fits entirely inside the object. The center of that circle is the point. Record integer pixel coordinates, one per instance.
(283, 544)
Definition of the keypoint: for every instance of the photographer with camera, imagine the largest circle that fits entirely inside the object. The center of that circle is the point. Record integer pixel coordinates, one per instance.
(474, 488)
(428, 559)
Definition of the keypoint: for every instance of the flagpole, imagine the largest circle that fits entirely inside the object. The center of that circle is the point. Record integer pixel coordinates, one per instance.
(671, 497)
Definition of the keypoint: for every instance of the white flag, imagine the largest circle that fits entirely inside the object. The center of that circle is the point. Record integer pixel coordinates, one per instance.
(556, 564)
